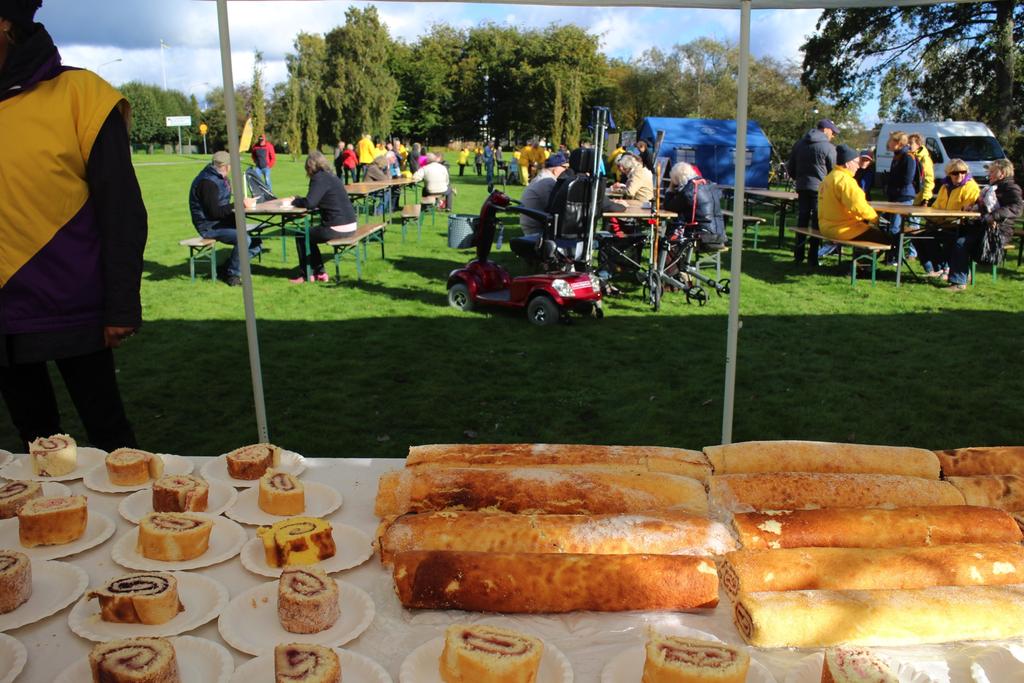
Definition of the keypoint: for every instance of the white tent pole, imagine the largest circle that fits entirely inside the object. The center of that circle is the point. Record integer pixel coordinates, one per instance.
(737, 223)
(238, 192)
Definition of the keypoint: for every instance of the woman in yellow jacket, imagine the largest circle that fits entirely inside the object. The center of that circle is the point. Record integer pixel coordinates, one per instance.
(365, 153)
(524, 160)
(925, 167)
(958, 192)
(843, 209)
(463, 160)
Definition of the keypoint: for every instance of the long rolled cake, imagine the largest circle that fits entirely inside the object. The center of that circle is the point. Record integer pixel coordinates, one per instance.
(134, 660)
(540, 489)
(659, 532)
(875, 527)
(139, 599)
(970, 564)
(14, 494)
(968, 462)
(1001, 491)
(799, 490)
(535, 583)
(880, 617)
(751, 457)
(679, 461)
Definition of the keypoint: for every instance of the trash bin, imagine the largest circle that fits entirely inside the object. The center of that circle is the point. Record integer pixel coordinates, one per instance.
(460, 230)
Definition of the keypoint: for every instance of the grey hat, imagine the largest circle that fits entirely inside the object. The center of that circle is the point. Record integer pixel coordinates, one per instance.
(221, 158)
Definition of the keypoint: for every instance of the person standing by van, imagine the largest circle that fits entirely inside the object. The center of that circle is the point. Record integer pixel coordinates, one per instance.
(811, 159)
(899, 188)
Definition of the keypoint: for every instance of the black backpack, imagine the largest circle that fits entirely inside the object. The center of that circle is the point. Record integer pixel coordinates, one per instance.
(570, 201)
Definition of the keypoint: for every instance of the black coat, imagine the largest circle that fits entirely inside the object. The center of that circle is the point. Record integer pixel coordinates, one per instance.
(1011, 205)
(899, 183)
(327, 193)
(812, 158)
(699, 205)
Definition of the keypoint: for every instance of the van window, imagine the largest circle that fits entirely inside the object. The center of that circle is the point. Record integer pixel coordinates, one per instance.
(973, 148)
(933, 149)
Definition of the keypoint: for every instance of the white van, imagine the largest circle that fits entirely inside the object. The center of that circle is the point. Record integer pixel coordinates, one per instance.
(968, 140)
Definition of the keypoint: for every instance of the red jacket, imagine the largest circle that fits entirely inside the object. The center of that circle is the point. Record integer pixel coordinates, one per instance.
(349, 159)
(258, 148)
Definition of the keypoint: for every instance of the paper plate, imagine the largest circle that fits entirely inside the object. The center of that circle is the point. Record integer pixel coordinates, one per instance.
(353, 548)
(996, 665)
(321, 500)
(203, 598)
(55, 585)
(355, 668)
(628, 665)
(98, 480)
(12, 658)
(5, 457)
(21, 469)
(199, 661)
(98, 528)
(291, 463)
(226, 539)
(421, 666)
(250, 623)
(139, 504)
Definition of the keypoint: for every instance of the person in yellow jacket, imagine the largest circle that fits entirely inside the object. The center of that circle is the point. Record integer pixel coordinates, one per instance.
(463, 160)
(843, 209)
(616, 153)
(524, 160)
(957, 192)
(365, 153)
(925, 167)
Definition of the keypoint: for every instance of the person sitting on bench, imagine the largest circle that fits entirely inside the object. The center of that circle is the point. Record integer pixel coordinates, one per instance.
(698, 203)
(639, 183)
(435, 180)
(209, 202)
(337, 216)
(843, 209)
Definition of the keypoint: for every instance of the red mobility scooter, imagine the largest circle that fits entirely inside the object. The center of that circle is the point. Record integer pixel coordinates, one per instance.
(547, 297)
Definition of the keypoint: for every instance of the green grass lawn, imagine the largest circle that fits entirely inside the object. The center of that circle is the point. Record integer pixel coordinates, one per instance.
(368, 368)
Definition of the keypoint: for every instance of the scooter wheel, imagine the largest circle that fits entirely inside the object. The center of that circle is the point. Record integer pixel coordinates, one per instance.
(458, 297)
(543, 311)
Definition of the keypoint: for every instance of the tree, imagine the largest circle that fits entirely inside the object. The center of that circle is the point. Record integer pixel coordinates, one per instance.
(259, 102)
(146, 122)
(948, 60)
(216, 121)
(361, 91)
(427, 85)
(306, 72)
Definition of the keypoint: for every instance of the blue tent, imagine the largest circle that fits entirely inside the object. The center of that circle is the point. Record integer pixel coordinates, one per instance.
(711, 144)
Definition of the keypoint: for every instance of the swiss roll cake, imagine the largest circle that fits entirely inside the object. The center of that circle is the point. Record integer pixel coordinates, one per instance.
(281, 493)
(14, 494)
(15, 580)
(173, 536)
(307, 600)
(143, 598)
(52, 521)
(134, 660)
(305, 663)
(474, 653)
(180, 493)
(674, 659)
(132, 467)
(252, 462)
(53, 456)
(297, 541)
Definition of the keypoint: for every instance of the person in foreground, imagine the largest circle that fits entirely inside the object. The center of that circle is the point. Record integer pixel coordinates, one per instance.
(843, 209)
(72, 233)
(337, 216)
(1000, 205)
(213, 213)
(958, 192)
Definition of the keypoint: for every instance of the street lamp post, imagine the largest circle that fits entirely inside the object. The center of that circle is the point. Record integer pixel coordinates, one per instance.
(163, 70)
(112, 61)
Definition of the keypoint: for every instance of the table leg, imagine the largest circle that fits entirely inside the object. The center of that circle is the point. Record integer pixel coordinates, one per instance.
(305, 231)
(782, 221)
(899, 260)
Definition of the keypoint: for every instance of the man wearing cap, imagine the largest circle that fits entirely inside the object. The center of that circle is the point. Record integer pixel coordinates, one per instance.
(209, 202)
(843, 209)
(811, 159)
(538, 192)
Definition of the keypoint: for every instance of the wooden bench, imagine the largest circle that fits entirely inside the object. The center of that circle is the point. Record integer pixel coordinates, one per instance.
(201, 247)
(411, 213)
(873, 249)
(756, 221)
(371, 232)
(429, 203)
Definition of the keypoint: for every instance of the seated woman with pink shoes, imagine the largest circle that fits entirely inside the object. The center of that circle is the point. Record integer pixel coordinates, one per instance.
(337, 216)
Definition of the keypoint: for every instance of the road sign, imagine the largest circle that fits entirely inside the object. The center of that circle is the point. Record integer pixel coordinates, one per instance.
(203, 128)
(179, 121)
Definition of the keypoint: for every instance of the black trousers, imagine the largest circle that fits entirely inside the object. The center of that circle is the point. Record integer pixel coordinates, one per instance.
(806, 217)
(92, 384)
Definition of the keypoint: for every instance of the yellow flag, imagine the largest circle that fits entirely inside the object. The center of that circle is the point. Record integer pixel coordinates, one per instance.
(246, 142)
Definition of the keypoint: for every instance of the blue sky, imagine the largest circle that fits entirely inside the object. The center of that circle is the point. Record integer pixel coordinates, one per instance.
(121, 38)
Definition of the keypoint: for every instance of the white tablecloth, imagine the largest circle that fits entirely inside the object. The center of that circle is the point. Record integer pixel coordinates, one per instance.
(589, 640)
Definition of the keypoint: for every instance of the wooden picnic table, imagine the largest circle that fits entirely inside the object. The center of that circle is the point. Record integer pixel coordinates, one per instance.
(286, 220)
(937, 218)
(781, 199)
